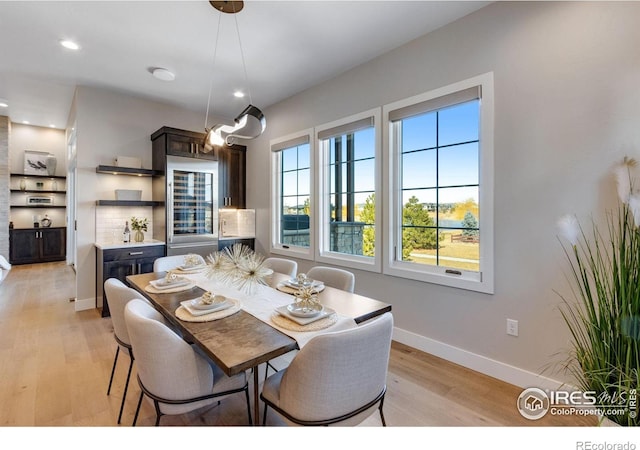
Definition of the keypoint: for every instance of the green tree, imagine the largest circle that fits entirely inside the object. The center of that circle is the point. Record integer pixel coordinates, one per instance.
(306, 206)
(368, 216)
(414, 236)
(470, 225)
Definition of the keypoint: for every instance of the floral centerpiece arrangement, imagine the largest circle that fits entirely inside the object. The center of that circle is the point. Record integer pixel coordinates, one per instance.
(604, 316)
(240, 266)
(140, 227)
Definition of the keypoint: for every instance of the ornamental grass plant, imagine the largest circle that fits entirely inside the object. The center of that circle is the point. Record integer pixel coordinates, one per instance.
(603, 312)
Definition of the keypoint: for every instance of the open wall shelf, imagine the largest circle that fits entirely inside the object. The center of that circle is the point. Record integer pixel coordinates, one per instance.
(115, 170)
(28, 175)
(127, 203)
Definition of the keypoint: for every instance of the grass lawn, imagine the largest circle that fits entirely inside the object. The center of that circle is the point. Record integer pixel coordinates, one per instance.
(466, 251)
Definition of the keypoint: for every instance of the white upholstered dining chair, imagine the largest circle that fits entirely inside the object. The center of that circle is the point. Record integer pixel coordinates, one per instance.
(282, 265)
(117, 297)
(171, 373)
(336, 378)
(331, 276)
(165, 263)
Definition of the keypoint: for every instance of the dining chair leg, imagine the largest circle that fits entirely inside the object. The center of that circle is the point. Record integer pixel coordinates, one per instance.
(384, 424)
(246, 393)
(126, 387)
(266, 370)
(113, 370)
(158, 413)
(135, 418)
(264, 416)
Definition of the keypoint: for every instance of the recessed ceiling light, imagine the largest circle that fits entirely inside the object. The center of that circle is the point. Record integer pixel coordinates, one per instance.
(3, 103)
(26, 122)
(163, 74)
(238, 94)
(52, 126)
(66, 43)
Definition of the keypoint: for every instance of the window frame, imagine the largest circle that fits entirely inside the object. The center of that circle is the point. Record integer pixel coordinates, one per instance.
(275, 246)
(323, 190)
(482, 281)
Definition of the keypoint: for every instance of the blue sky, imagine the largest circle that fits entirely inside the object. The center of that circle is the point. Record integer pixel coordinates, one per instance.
(458, 164)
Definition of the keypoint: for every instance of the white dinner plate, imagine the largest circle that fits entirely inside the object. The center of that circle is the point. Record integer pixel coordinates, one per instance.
(293, 283)
(304, 312)
(164, 284)
(197, 303)
(191, 268)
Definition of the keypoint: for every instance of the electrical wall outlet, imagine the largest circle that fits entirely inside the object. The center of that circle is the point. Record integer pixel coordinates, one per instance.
(512, 327)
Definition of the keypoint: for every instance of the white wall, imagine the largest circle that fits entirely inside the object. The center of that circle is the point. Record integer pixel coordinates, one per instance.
(567, 105)
(109, 125)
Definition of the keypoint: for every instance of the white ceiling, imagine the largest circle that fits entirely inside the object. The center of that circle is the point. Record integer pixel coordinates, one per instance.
(288, 47)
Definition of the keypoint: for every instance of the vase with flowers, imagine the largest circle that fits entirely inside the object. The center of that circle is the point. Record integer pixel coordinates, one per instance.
(139, 226)
(603, 312)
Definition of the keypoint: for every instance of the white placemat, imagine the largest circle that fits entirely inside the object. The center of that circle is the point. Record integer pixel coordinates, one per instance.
(183, 314)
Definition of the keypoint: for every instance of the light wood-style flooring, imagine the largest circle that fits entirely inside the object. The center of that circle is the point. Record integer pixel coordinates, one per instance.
(55, 365)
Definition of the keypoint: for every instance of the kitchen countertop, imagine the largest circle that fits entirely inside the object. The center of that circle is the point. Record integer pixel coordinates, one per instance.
(229, 238)
(113, 245)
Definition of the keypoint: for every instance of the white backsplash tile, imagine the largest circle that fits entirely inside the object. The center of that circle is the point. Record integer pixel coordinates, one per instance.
(110, 221)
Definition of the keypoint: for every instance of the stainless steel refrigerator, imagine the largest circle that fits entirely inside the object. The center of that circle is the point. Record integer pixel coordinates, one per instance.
(189, 220)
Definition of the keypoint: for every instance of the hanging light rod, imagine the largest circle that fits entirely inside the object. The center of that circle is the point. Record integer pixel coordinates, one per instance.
(228, 7)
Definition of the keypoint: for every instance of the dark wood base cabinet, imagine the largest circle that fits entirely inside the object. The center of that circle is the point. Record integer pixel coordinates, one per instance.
(120, 262)
(36, 245)
(224, 243)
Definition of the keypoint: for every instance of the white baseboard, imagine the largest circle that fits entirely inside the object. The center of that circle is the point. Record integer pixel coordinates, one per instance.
(496, 369)
(85, 303)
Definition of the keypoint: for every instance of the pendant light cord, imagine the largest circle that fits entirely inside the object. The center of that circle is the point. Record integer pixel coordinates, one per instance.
(215, 51)
(244, 66)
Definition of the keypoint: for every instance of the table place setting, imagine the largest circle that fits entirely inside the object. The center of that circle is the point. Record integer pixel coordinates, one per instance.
(172, 282)
(208, 307)
(306, 313)
(192, 264)
(293, 285)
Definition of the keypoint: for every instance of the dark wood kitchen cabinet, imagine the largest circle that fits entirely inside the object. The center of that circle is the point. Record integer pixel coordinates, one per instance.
(231, 176)
(232, 161)
(36, 245)
(224, 243)
(120, 262)
(176, 142)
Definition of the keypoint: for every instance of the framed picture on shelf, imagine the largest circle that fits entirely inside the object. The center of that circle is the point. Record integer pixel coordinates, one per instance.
(39, 200)
(35, 163)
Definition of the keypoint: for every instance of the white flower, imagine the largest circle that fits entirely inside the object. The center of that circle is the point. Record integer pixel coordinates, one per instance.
(622, 173)
(634, 206)
(569, 228)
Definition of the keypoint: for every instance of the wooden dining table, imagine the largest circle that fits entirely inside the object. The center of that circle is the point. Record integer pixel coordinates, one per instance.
(241, 341)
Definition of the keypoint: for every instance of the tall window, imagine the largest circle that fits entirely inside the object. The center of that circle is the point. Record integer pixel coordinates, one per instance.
(348, 151)
(291, 222)
(442, 201)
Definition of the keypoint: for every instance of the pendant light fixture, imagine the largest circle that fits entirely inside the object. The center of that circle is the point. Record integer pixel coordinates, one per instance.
(250, 123)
